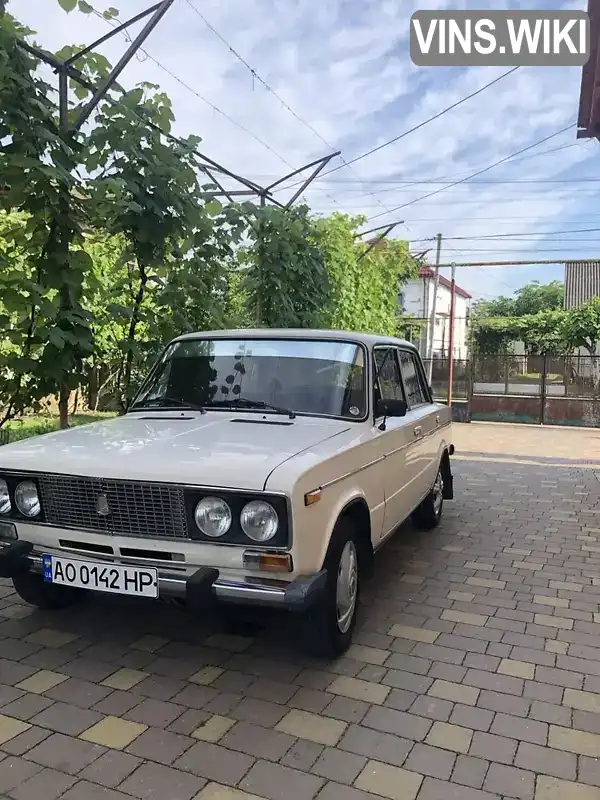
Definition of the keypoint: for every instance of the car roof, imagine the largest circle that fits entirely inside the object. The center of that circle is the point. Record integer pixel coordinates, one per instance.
(368, 339)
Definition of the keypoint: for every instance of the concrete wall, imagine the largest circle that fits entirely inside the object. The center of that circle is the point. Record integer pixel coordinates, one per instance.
(556, 411)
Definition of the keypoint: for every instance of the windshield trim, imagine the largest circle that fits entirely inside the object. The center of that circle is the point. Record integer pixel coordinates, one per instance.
(349, 340)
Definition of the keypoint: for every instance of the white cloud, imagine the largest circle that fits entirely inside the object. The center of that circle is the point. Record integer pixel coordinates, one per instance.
(344, 67)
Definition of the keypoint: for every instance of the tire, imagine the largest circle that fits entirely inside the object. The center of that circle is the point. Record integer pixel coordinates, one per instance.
(428, 514)
(32, 588)
(328, 626)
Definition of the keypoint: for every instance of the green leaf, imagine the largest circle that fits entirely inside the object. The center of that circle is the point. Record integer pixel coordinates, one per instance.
(85, 8)
(213, 207)
(67, 5)
(57, 338)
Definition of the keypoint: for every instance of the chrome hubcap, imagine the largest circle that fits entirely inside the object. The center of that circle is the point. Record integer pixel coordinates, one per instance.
(347, 586)
(437, 494)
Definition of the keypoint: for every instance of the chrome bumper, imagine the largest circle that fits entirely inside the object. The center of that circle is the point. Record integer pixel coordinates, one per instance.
(296, 595)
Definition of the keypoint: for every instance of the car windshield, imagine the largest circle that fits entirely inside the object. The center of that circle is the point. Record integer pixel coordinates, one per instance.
(306, 376)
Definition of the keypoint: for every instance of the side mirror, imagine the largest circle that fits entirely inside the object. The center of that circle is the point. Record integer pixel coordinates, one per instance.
(391, 408)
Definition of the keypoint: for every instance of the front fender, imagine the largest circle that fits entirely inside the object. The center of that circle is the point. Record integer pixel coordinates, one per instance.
(342, 501)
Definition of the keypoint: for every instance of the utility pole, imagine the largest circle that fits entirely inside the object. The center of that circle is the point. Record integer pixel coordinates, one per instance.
(431, 324)
(451, 335)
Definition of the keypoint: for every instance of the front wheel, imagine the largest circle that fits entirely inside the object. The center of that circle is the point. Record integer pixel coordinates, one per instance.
(329, 625)
(428, 515)
(33, 589)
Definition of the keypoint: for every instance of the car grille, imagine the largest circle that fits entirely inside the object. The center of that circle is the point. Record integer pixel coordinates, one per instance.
(135, 509)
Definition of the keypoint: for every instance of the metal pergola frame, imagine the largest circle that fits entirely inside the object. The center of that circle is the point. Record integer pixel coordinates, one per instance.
(66, 69)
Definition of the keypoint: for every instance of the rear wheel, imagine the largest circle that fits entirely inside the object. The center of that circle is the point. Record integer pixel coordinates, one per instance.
(329, 625)
(33, 589)
(428, 515)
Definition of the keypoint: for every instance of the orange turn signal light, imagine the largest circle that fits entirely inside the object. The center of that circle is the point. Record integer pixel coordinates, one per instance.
(268, 562)
(312, 497)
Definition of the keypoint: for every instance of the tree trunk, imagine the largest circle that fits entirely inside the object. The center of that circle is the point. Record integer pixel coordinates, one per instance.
(92, 392)
(135, 318)
(595, 373)
(63, 407)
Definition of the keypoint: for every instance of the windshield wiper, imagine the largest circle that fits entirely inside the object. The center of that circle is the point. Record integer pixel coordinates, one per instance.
(166, 402)
(248, 403)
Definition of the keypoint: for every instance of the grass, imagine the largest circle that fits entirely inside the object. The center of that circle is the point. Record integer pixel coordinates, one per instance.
(25, 427)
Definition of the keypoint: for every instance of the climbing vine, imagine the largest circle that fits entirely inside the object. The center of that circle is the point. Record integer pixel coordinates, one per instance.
(364, 285)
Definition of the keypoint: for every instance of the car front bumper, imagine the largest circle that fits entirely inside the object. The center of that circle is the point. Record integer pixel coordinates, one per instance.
(201, 586)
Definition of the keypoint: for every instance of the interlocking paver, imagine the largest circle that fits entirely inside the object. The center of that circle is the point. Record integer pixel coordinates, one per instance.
(470, 771)
(388, 781)
(548, 788)
(14, 771)
(450, 737)
(275, 782)
(547, 761)
(111, 769)
(454, 692)
(574, 741)
(313, 727)
(215, 763)
(65, 753)
(155, 780)
(338, 765)
(510, 782)
(48, 784)
(527, 730)
(376, 745)
(433, 761)
(359, 690)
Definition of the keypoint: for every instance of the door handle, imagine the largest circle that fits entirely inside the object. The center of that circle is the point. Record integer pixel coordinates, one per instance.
(437, 419)
(418, 430)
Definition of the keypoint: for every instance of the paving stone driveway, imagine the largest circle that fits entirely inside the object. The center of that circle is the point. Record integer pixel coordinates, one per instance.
(475, 674)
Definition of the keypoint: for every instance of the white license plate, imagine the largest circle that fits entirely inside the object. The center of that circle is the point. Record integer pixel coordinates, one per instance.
(112, 578)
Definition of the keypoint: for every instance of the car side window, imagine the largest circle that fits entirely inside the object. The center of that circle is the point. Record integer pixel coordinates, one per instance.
(416, 391)
(388, 384)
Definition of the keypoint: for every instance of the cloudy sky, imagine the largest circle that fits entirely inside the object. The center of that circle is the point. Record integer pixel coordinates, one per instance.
(340, 77)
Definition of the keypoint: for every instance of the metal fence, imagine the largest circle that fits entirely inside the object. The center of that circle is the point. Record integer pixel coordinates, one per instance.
(461, 378)
(527, 375)
(535, 375)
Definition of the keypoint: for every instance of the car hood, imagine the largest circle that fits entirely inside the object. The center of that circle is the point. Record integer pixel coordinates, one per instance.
(229, 450)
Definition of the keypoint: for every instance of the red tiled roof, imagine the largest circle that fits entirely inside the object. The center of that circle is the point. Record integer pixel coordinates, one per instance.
(427, 272)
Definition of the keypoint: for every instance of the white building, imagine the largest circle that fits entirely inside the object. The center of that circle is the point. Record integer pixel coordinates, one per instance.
(416, 300)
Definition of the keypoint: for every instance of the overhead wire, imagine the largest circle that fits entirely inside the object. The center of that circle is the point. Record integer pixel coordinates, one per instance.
(214, 107)
(424, 122)
(198, 95)
(509, 235)
(479, 172)
(256, 75)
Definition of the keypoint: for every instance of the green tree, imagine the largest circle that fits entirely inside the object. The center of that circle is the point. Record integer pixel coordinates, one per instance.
(364, 285)
(529, 299)
(582, 329)
(286, 281)
(494, 322)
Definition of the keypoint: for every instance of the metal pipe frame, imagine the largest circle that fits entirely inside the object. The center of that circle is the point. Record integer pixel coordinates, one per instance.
(102, 90)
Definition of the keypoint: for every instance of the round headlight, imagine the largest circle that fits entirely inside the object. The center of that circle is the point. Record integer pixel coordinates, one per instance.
(213, 517)
(5, 504)
(27, 499)
(259, 521)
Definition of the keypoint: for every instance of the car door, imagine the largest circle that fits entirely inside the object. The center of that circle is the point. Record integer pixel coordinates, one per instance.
(423, 419)
(397, 439)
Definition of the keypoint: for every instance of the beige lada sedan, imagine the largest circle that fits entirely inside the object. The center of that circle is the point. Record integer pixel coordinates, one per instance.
(253, 466)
